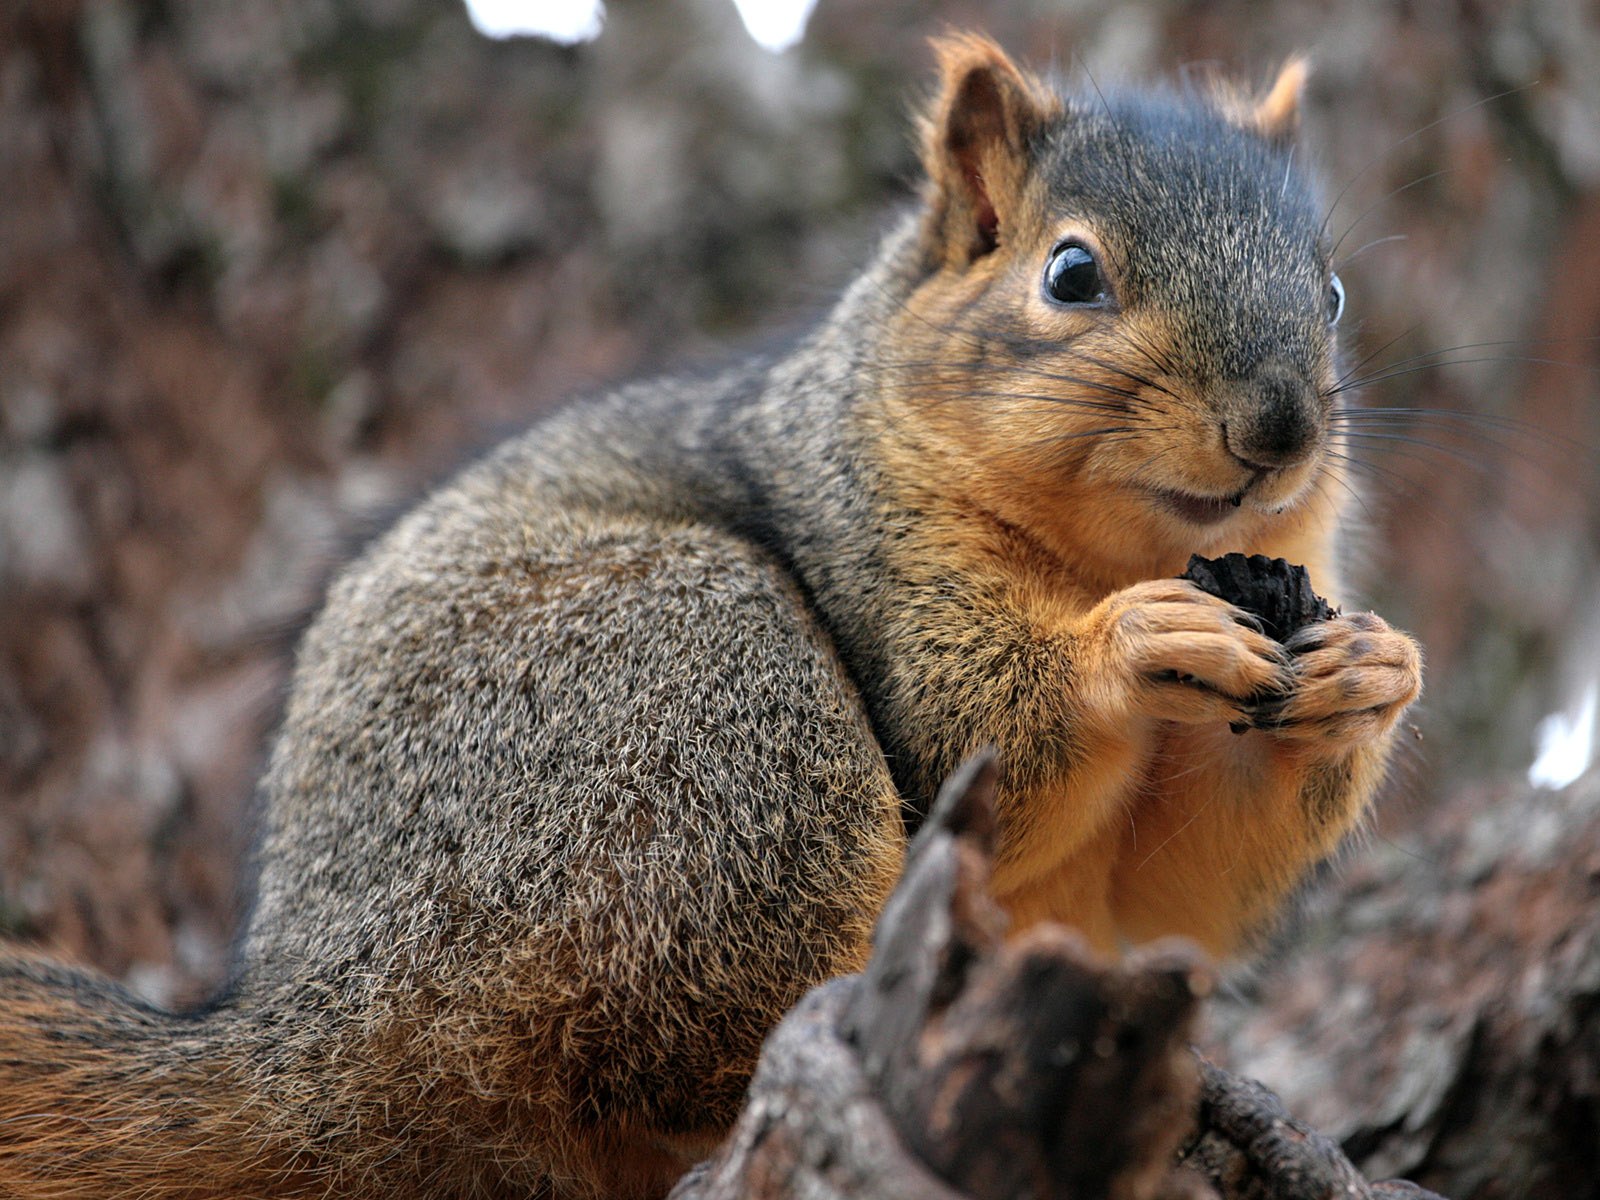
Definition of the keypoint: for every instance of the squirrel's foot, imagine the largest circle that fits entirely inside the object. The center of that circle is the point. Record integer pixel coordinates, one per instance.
(1184, 655)
(1352, 678)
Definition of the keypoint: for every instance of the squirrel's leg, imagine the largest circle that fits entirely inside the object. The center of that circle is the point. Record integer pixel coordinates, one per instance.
(1228, 825)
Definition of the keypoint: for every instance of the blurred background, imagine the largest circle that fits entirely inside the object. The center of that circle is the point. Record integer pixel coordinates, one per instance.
(267, 269)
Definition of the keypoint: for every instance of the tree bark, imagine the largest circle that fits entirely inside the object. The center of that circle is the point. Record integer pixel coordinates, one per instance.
(1439, 1014)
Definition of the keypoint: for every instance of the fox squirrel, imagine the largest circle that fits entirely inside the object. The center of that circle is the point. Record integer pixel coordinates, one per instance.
(608, 751)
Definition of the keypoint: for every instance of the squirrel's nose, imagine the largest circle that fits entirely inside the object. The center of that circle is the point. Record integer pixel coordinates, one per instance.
(1274, 420)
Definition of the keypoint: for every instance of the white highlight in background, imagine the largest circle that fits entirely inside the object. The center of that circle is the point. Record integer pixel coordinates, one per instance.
(566, 21)
(1566, 742)
(775, 24)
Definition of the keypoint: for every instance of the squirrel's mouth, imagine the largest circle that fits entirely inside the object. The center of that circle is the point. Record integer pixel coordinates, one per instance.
(1199, 510)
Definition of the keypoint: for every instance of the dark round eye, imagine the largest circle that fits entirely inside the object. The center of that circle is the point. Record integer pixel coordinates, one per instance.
(1335, 300)
(1071, 276)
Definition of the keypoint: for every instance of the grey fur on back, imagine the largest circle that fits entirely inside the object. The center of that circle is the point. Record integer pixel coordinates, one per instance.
(572, 769)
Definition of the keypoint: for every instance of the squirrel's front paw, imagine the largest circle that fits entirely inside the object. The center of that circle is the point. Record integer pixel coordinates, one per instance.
(1184, 655)
(1352, 678)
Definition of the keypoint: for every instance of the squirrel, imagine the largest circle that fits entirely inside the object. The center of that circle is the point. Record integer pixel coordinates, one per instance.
(610, 750)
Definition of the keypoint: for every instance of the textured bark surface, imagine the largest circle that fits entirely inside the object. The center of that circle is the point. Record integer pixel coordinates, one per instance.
(1021, 1068)
(1440, 1015)
(1250, 1148)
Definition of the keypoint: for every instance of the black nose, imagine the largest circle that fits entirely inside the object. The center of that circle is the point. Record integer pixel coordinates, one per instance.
(1274, 420)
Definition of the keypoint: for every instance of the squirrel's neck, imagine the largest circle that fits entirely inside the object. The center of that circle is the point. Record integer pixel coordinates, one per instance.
(798, 456)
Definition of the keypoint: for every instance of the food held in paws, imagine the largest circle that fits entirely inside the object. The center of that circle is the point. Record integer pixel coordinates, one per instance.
(1276, 592)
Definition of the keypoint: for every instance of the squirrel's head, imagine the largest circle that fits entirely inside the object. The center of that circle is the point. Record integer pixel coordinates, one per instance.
(1127, 297)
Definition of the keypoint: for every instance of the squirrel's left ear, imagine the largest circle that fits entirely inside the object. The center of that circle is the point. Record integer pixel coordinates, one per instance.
(1276, 112)
(975, 144)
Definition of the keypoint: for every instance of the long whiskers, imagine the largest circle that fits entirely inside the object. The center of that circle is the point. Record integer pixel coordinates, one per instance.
(1369, 437)
(1380, 202)
(1396, 449)
(1415, 133)
(1372, 245)
(1436, 358)
(1116, 398)
(1385, 373)
(1339, 456)
(1351, 372)
(955, 382)
(954, 379)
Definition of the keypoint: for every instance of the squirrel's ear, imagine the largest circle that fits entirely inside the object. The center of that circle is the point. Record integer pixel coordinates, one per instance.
(975, 143)
(1276, 113)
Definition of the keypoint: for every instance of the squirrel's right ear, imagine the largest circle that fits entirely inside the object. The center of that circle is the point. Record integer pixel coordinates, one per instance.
(975, 143)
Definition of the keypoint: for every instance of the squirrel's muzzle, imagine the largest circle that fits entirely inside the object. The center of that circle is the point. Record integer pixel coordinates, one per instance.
(1272, 419)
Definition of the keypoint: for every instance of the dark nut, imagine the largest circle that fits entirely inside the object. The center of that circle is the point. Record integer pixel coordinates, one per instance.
(1275, 592)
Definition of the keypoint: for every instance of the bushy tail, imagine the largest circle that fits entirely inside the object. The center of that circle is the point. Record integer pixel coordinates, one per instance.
(103, 1096)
